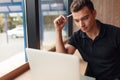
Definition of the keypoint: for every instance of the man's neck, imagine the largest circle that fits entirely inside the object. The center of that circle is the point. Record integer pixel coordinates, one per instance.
(94, 32)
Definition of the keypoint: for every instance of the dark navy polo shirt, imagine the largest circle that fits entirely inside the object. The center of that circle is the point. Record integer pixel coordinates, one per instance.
(102, 53)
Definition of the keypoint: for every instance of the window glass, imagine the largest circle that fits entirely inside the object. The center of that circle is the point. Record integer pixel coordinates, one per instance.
(11, 35)
(12, 53)
(50, 10)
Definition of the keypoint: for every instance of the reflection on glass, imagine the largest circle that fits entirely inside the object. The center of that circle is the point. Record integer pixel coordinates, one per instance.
(11, 42)
(50, 10)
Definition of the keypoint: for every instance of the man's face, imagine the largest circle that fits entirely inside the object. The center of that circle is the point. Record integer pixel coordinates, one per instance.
(84, 19)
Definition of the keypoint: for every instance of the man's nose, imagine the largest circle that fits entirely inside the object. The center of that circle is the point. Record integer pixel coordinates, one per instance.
(81, 23)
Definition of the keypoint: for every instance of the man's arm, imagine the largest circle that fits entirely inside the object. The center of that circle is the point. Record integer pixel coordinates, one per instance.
(59, 24)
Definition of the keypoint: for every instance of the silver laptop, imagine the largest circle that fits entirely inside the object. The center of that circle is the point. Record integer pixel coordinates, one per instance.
(46, 65)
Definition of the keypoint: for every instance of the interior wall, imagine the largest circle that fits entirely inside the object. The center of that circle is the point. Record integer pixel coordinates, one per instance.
(108, 11)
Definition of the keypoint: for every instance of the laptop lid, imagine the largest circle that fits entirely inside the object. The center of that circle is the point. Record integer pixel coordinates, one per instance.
(45, 65)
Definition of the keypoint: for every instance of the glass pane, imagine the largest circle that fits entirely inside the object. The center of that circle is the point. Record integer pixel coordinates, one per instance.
(11, 42)
(50, 10)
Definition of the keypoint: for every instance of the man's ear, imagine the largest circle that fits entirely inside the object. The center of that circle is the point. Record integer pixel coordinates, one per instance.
(94, 13)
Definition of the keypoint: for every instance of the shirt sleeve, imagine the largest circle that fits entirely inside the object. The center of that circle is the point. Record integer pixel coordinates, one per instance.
(73, 40)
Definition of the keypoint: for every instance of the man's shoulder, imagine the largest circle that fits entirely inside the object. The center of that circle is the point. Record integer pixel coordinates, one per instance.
(79, 34)
(112, 28)
(109, 26)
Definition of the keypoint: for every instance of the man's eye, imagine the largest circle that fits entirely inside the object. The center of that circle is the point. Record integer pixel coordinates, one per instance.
(76, 20)
(85, 18)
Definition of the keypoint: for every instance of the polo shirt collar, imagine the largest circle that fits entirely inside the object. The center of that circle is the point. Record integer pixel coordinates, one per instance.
(102, 29)
(83, 35)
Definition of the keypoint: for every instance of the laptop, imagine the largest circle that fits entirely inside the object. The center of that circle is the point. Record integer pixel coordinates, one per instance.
(46, 65)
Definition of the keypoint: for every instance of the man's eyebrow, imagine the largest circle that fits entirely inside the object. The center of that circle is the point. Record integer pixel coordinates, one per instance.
(82, 17)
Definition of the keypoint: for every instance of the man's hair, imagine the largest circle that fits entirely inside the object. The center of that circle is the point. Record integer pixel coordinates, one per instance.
(77, 5)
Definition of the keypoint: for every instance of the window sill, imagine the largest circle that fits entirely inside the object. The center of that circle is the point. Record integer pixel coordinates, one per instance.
(12, 64)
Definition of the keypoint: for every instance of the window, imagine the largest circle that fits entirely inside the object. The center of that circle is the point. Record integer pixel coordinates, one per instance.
(12, 41)
(33, 24)
(50, 10)
(40, 28)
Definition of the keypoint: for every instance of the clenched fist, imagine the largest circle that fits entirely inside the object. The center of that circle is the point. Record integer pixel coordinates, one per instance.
(60, 22)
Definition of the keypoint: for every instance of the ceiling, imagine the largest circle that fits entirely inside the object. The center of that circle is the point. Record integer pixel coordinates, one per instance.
(14, 6)
(10, 6)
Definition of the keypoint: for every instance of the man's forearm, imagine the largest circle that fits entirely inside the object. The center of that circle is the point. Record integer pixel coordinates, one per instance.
(59, 43)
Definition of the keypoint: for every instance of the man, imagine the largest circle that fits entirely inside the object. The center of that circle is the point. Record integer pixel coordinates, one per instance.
(98, 43)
